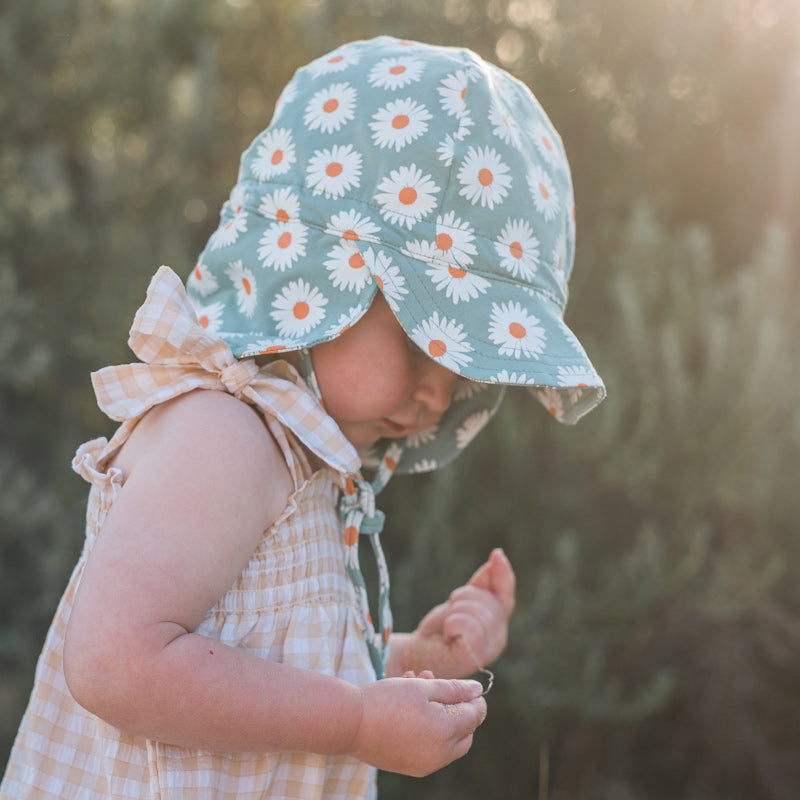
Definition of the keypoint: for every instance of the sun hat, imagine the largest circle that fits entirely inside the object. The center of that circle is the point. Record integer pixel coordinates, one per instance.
(430, 175)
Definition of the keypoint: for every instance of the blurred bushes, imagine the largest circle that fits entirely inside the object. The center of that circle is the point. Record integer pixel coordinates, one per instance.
(656, 647)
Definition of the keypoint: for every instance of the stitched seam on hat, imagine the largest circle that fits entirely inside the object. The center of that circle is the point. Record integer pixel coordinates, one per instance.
(443, 262)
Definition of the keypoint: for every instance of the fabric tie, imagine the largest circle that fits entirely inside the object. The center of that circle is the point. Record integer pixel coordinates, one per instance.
(239, 375)
(360, 516)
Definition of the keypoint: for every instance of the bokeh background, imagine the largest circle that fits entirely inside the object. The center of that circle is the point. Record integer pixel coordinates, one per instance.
(656, 646)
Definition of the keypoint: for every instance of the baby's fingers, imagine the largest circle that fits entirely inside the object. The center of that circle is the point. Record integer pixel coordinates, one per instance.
(417, 726)
(453, 692)
(463, 702)
(497, 576)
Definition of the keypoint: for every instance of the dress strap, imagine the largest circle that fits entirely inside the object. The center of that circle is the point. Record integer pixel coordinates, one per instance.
(360, 517)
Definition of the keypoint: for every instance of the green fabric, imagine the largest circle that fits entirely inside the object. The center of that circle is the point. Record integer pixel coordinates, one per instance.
(433, 176)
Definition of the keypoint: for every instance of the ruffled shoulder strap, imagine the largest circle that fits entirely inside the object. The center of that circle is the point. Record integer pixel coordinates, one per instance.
(178, 354)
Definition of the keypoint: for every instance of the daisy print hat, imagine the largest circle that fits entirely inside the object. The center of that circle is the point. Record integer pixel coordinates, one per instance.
(432, 176)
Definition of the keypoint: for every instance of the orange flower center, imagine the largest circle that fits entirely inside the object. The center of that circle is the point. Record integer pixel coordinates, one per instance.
(444, 241)
(437, 348)
(407, 196)
(400, 122)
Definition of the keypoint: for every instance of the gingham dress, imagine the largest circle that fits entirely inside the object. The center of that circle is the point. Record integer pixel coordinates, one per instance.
(293, 603)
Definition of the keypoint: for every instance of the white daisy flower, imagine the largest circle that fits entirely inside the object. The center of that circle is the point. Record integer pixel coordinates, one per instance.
(345, 321)
(387, 467)
(387, 276)
(210, 316)
(559, 255)
(503, 125)
(576, 376)
(282, 244)
(517, 332)
(298, 308)
(228, 233)
(337, 61)
(425, 465)
(266, 347)
(464, 124)
(544, 194)
(245, 283)
(484, 177)
(406, 195)
(446, 150)
(352, 226)
(546, 144)
(398, 123)
(423, 437)
(453, 93)
(465, 389)
(347, 268)
(506, 377)
(331, 108)
(500, 80)
(396, 72)
(275, 154)
(559, 258)
(518, 249)
(287, 96)
(552, 399)
(334, 171)
(282, 205)
(457, 283)
(237, 199)
(202, 280)
(471, 427)
(573, 340)
(454, 239)
(444, 341)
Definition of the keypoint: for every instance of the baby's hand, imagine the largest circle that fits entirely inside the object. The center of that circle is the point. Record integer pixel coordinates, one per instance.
(417, 725)
(472, 626)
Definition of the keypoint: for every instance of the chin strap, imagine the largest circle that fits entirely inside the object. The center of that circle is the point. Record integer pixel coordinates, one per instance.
(360, 517)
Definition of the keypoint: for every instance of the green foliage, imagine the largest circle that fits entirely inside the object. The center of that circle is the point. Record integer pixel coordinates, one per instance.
(656, 642)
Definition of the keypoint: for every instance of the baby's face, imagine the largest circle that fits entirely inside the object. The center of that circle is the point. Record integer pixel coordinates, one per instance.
(375, 382)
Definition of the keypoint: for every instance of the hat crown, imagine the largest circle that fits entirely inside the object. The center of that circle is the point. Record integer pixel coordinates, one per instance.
(434, 144)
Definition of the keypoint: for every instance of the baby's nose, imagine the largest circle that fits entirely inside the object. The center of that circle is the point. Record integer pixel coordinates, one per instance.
(436, 387)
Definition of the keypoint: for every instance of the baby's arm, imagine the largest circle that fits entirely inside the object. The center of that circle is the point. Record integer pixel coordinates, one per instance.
(204, 480)
(468, 631)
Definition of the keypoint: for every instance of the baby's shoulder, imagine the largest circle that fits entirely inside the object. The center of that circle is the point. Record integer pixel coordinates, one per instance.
(209, 436)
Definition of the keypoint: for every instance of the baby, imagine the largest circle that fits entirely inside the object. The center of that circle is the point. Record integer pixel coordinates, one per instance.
(394, 254)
